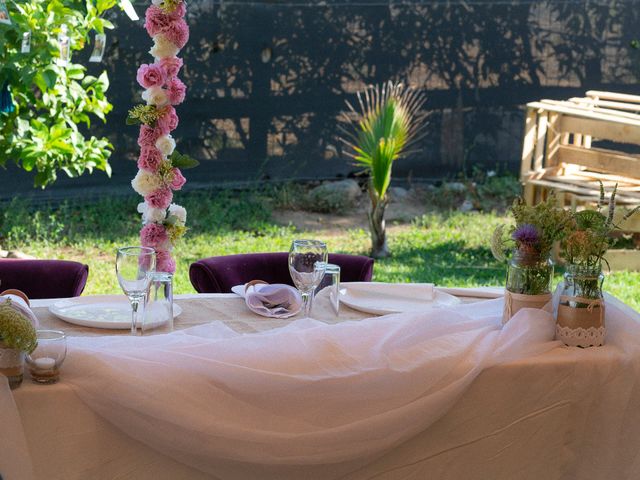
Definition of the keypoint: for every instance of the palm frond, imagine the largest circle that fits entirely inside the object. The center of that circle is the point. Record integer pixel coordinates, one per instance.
(387, 126)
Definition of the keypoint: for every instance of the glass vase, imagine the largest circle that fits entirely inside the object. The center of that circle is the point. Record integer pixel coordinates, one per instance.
(581, 309)
(12, 365)
(158, 314)
(528, 285)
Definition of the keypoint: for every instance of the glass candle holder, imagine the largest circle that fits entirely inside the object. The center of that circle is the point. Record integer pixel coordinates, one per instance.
(158, 313)
(331, 280)
(45, 361)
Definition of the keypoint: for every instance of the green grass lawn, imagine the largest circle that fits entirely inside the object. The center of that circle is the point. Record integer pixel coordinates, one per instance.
(447, 248)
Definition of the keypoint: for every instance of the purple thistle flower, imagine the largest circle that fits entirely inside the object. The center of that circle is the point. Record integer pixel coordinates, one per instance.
(526, 234)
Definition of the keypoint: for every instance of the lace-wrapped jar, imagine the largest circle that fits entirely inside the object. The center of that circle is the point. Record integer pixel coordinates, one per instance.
(580, 321)
(528, 285)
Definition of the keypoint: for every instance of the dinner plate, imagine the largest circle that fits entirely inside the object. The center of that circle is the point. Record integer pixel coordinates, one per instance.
(382, 299)
(98, 311)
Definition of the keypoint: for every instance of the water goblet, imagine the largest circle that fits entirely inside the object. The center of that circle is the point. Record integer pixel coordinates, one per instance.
(134, 266)
(307, 263)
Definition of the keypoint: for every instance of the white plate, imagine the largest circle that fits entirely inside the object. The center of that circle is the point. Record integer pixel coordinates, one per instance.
(393, 299)
(99, 311)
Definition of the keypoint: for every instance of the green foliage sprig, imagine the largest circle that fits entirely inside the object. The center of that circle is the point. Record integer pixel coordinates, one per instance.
(549, 221)
(590, 236)
(52, 102)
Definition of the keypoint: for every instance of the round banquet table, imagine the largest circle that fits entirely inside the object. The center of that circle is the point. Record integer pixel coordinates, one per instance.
(567, 414)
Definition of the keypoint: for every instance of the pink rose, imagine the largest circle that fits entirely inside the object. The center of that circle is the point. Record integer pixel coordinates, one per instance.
(153, 234)
(178, 179)
(177, 33)
(176, 91)
(168, 122)
(179, 12)
(156, 20)
(171, 66)
(150, 159)
(164, 262)
(148, 136)
(150, 75)
(160, 198)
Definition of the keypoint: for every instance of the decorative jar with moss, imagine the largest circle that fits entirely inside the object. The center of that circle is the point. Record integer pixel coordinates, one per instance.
(17, 337)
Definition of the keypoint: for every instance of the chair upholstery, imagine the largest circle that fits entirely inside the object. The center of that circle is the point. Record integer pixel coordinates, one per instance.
(219, 274)
(44, 278)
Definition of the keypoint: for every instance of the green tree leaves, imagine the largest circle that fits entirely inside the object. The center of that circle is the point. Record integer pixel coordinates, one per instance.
(51, 100)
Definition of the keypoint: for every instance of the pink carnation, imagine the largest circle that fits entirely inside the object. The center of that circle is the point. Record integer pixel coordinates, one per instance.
(150, 75)
(176, 90)
(150, 159)
(148, 136)
(179, 12)
(177, 33)
(156, 20)
(153, 234)
(178, 179)
(171, 66)
(160, 198)
(169, 121)
(164, 262)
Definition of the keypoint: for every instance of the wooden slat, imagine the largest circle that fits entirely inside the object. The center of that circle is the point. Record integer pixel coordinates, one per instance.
(528, 144)
(553, 140)
(617, 97)
(601, 129)
(559, 184)
(628, 107)
(541, 134)
(584, 113)
(591, 108)
(623, 260)
(607, 161)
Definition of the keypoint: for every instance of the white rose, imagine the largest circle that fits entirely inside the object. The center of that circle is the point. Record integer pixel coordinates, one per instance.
(163, 48)
(179, 212)
(166, 144)
(155, 96)
(146, 182)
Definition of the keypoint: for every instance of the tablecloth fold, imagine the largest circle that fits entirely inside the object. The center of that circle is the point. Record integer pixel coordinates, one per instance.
(306, 394)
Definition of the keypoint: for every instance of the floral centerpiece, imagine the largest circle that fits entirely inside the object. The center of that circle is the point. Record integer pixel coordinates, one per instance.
(159, 163)
(581, 307)
(530, 240)
(17, 337)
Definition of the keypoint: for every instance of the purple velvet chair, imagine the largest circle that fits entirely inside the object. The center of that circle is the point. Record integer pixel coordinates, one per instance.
(44, 278)
(219, 274)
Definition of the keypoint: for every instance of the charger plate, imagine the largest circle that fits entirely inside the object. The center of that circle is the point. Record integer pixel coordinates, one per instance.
(382, 299)
(98, 311)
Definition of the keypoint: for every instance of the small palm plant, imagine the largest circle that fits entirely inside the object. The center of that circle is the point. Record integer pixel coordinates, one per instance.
(389, 123)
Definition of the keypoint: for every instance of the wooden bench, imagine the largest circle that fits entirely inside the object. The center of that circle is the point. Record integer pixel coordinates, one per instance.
(563, 152)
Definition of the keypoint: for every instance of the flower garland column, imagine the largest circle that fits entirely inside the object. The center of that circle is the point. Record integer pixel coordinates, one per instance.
(159, 163)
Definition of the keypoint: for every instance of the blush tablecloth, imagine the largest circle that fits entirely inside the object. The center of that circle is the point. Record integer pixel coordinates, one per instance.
(567, 413)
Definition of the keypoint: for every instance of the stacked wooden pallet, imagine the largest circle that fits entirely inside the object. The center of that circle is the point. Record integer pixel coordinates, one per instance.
(571, 145)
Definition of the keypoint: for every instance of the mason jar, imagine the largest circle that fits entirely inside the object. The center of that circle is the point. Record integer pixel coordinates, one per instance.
(581, 308)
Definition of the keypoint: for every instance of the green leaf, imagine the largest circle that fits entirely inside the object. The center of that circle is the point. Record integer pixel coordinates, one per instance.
(133, 120)
(182, 162)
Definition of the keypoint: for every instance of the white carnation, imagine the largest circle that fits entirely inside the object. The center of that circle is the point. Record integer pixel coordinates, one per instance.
(151, 215)
(163, 48)
(146, 182)
(155, 96)
(166, 144)
(179, 212)
(157, 3)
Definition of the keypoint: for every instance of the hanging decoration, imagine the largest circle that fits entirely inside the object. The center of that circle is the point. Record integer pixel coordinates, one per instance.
(6, 99)
(25, 47)
(64, 46)
(159, 163)
(99, 46)
(4, 13)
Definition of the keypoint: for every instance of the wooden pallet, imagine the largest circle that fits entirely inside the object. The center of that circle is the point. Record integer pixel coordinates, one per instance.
(559, 155)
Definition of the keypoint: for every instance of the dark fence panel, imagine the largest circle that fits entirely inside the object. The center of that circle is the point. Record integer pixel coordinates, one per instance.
(268, 79)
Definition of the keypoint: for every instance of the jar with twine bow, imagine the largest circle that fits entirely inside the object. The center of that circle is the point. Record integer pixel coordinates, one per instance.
(530, 269)
(580, 321)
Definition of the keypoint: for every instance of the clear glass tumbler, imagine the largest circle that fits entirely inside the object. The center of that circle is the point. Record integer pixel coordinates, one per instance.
(158, 313)
(45, 361)
(331, 280)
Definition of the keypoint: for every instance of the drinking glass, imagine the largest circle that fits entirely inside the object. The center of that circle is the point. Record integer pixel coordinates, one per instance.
(134, 266)
(307, 263)
(45, 361)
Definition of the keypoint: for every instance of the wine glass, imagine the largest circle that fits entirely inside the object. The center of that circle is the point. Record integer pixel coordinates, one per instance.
(307, 263)
(134, 266)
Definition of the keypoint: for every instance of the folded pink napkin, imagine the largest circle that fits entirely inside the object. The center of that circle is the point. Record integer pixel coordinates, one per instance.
(276, 300)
